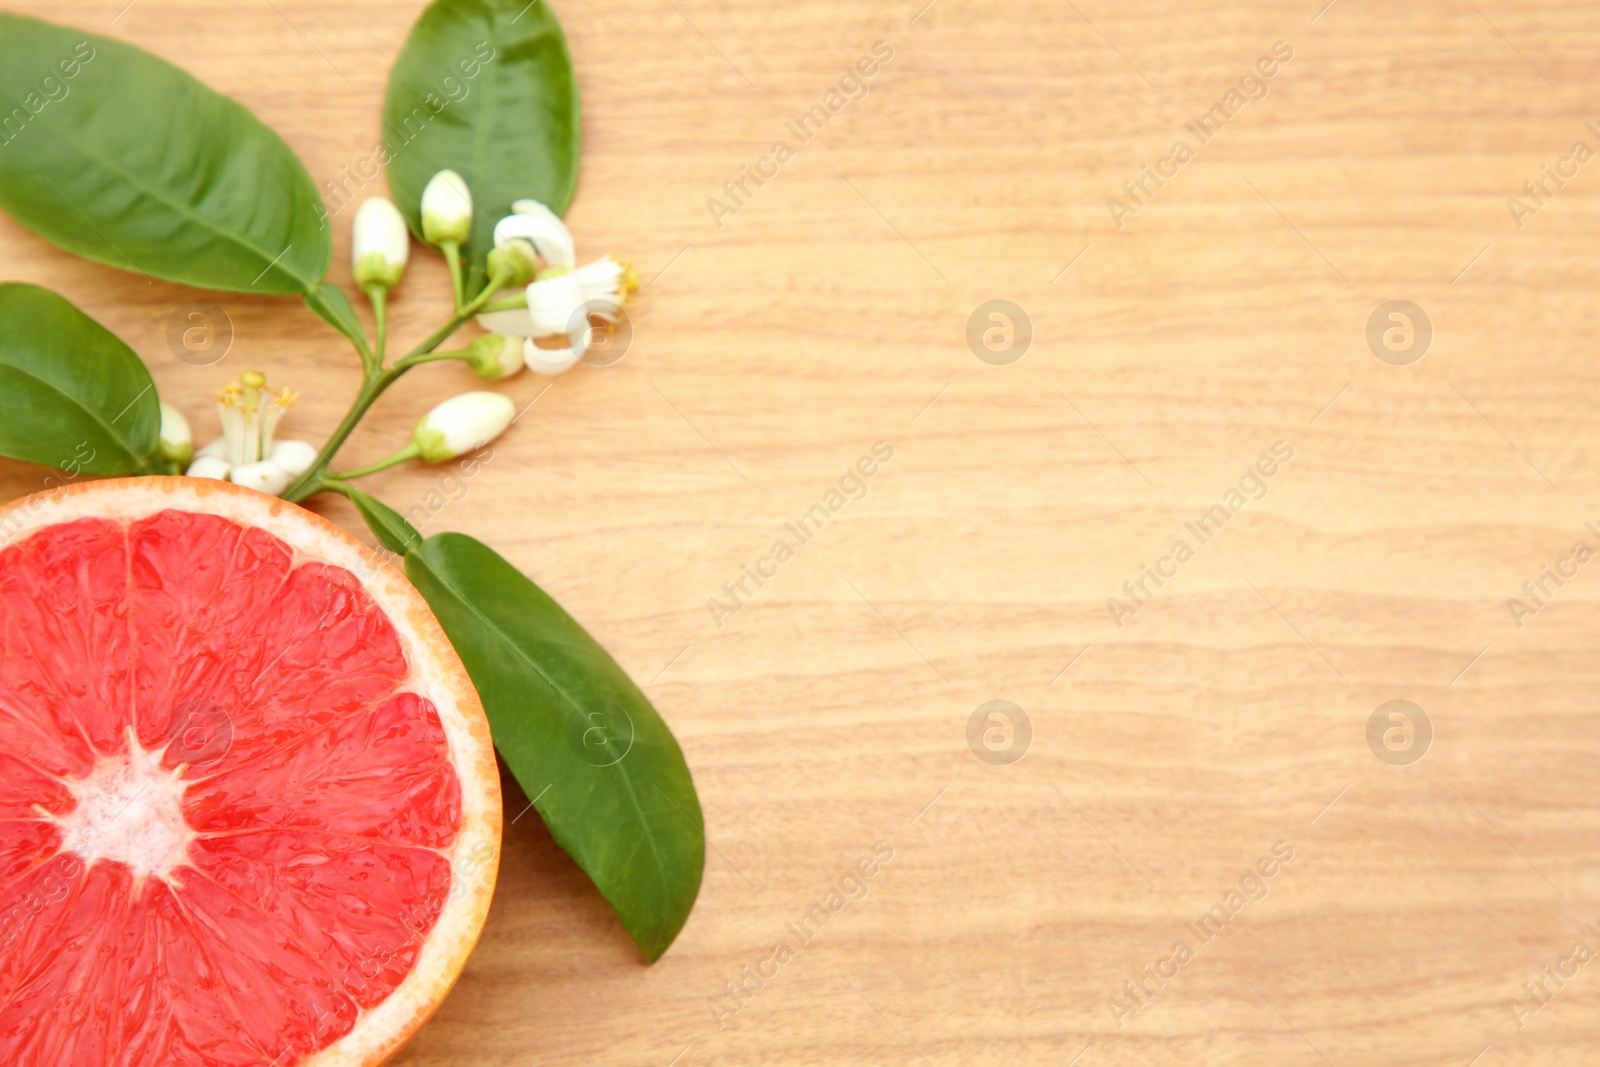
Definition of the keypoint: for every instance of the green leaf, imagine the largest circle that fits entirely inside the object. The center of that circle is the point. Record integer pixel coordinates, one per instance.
(484, 88)
(387, 525)
(125, 159)
(601, 766)
(329, 301)
(72, 396)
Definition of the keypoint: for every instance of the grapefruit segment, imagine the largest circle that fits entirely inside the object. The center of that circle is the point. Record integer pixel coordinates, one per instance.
(23, 844)
(24, 787)
(382, 774)
(63, 599)
(249, 809)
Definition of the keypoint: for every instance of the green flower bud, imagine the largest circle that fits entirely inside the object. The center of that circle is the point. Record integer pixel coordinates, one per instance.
(379, 245)
(517, 259)
(446, 209)
(462, 424)
(494, 356)
(175, 444)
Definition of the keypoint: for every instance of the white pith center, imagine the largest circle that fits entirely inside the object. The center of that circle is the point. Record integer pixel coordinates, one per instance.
(129, 810)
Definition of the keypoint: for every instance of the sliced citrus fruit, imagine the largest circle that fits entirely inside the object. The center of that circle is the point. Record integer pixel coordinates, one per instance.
(249, 809)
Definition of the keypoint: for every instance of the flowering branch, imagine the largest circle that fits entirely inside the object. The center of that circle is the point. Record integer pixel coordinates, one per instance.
(546, 294)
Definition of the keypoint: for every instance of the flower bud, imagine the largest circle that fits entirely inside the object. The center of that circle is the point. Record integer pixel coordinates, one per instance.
(494, 356)
(264, 476)
(380, 244)
(174, 444)
(446, 209)
(293, 457)
(513, 263)
(462, 424)
(552, 302)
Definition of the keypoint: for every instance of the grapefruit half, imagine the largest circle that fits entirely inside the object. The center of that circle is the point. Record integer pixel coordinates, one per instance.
(249, 808)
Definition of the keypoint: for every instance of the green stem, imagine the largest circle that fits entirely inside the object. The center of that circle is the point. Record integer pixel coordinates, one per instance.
(411, 451)
(432, 357)
(310, 482)
(452, 255)
(372, 386)
(442, 334)
(379, 296)
(508, 303)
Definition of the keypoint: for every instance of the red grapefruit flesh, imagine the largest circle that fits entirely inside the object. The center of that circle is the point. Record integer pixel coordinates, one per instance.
(249, 810)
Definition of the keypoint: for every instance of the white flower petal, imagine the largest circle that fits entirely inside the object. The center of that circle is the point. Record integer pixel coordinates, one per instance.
(515, 322)
(600, 277)
(263, 476)
(549, 361)
(215, 448)
(606, 285)
(532, 221)
(294, 457)
(552, 303)
(211, 466)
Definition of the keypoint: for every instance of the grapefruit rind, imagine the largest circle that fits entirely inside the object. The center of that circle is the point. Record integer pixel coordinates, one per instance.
(436, 673)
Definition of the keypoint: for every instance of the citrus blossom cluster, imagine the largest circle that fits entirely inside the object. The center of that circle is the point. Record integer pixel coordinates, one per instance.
(533, 252)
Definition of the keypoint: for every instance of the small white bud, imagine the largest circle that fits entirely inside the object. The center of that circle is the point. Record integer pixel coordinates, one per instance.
(209, 467)
(446, 209)
(380, 244)
(293, 457)
(462, 424)
(263, 476)
(174, 443)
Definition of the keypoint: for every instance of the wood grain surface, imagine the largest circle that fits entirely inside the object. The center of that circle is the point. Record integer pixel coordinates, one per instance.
(829, 715)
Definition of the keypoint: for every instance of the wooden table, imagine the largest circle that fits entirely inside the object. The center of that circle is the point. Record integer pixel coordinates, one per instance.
(831, 310)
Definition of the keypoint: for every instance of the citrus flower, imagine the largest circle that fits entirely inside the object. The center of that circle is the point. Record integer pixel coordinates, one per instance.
(563, 295)
(379, 245)
(446, 209)
(246, 453)
(461, 424)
